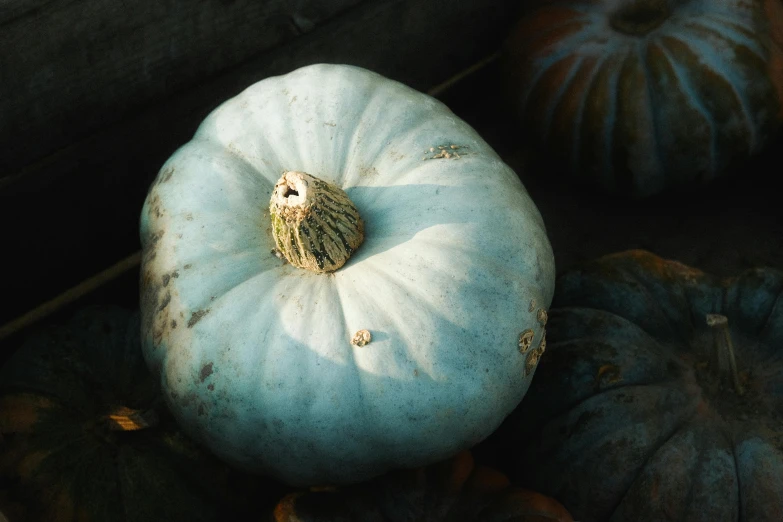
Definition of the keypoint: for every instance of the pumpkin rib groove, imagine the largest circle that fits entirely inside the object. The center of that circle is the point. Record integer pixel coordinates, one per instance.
(655, 135)
(221, 148)
(582, 121)
(763, 331)
(352, 154)
(219, 297)
(557, 98)
(610, 124)
(729, 22)
(206, 136)
(686, 84)
(579, 120)
(703, 51)
(738, 474)
(360, 381)
(487, 260)
(554, 417)
(540, 73)
(653, 451)
(728, 36)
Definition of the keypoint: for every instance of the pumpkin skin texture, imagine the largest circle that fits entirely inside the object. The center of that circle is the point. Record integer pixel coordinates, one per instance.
(255, 355)
(82, 436)
(637, 96)
(630, 416)
(451, 491)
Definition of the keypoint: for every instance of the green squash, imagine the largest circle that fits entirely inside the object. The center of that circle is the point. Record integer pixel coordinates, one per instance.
(660, 396)
(84, 433)
(340, 277)
(455, 490)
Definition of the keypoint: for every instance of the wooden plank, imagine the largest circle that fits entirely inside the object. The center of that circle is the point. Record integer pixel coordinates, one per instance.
(76, 212)
(75, 66)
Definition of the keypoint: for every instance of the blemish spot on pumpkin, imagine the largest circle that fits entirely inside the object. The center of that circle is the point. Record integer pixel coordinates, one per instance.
(211, 387)
(445, 152)
(206, 371)
(166, 279)
(532, 305)
(534, 357)
(166, 174)
(361, 338)
(196, 317)
(187, 267)
(165, 302)
(607, 374)
(173, 323)
(542, 317)
(525, 340)
(415, 372)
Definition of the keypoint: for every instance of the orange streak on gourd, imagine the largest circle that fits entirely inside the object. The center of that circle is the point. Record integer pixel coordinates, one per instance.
(634, 143)
(598, 105)
(564, 118)
(540, 98)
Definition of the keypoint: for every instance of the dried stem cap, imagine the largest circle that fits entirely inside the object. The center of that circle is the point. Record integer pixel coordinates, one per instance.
(314, 223)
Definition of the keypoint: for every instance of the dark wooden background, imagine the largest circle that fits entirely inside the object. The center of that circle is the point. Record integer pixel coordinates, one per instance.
(96, 94)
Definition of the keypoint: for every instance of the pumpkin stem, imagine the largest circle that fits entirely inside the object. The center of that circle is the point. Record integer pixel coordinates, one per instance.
(128, 419)
(639, 17)
(314, 223)
(725, 349)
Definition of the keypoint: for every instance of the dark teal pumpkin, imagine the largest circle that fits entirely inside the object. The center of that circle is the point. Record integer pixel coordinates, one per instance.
(635, 412)
(641, 95)
(84, 436)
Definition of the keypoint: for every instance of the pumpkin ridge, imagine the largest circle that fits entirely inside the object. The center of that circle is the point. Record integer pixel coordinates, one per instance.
(694, 97)
(610, 133)
(732, 23)
(655, 123)
(745, 103)
(653, 451)
(487, 260)
(727, 34)
(374, 96)
(770, 314)
(557, 98)
(738, 474)
(540, 73)
(581, 127)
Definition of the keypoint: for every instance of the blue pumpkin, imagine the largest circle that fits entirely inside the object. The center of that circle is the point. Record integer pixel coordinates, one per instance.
(637, 96)
(660, 395)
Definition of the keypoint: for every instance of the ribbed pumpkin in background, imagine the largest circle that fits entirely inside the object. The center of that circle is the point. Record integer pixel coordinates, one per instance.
(84, 435)
(638, 96)
(660, 396)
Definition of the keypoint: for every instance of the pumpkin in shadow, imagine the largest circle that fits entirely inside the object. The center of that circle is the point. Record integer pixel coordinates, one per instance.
(450, 491)
(84, 433)
(660, 396)
(637, 96)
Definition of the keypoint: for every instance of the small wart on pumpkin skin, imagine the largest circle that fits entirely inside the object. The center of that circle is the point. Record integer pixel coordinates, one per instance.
(361, 338)
(542, 317)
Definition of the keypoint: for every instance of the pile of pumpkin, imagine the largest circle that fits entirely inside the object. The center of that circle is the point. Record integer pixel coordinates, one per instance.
(344, 290)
